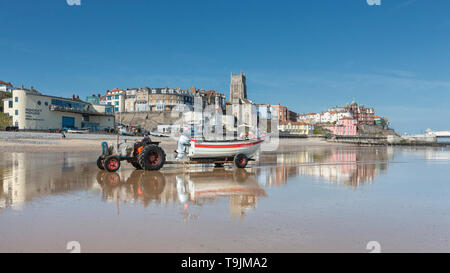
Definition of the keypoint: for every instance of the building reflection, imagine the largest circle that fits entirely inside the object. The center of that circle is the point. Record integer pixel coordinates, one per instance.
(26, 176)
(191, 189)
(337, 165)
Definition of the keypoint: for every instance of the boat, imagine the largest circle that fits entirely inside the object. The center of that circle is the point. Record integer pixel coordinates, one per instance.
(73, 131)
(200, 149)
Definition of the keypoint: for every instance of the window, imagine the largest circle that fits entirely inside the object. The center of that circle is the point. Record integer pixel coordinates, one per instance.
(116, 97)
(17, 112)
(10, 104)
(46, 103)
(116, 109)
(116, 103)
(67, 104)
(39, 102)
(16, 99)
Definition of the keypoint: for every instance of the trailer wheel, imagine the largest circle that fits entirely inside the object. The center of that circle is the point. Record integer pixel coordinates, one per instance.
(152, 158)
(101, 162)
(241, 161)
(112, 164)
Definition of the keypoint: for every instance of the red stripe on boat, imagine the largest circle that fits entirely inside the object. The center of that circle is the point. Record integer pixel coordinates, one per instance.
(227, 145)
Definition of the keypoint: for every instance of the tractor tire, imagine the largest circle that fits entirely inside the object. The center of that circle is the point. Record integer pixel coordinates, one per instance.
(241, 161)
(152, 158)
(136, 165)
(101, 163)
(112, 164)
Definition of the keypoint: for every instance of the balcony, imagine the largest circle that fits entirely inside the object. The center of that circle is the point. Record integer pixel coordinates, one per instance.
(91, 111)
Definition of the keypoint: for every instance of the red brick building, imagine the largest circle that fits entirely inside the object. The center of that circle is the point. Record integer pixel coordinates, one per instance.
(362, 114)
(283, 114)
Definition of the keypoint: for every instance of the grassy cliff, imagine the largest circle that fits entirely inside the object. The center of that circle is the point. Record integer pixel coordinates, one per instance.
(5, 120)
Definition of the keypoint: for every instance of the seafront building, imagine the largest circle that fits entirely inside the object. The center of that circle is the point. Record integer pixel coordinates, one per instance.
(6, 87)
(296, 127)
(149, 99)
(346, 126)
(115, 98)
(94, 99)
(362, 114)
(31, 110)
(283, 113)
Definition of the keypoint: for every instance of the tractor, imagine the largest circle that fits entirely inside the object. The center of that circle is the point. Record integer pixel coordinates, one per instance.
(146, 155)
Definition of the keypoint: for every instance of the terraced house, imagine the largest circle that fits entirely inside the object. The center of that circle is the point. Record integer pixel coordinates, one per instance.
(149, 99)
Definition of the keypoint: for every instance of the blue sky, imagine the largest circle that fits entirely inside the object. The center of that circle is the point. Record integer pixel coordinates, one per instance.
(306, 54)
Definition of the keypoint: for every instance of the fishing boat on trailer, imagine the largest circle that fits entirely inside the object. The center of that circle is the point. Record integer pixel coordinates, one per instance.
(223, 149)
(149, 156)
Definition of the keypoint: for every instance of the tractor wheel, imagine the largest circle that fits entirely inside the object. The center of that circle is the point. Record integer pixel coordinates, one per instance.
(152, 158)
(112, 164)
(100, 163)
(241, 161)
(136, 165)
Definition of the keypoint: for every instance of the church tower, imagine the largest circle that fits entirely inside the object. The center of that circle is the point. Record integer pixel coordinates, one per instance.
(238, 88)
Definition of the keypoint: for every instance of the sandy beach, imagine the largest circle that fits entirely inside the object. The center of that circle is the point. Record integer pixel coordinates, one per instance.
(52, 142)
(308, 196)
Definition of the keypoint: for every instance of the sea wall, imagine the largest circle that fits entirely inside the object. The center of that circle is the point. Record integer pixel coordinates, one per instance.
(148, 120)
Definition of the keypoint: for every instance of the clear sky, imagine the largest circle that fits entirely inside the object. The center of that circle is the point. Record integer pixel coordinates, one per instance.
(305, 54)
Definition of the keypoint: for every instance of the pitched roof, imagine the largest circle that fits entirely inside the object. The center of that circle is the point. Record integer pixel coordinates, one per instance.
(5, 83)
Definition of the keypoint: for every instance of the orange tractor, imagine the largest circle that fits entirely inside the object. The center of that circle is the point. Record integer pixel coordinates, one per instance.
(145, 155)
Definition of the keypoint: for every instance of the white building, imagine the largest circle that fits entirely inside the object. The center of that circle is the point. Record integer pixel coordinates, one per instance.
(312, 118)
(6, 86)
(115, 97)
(264, 111)
(149, 99)
(330, 117)
(31, 110)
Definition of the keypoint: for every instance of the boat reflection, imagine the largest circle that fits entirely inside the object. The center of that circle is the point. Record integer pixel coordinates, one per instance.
(189, 189)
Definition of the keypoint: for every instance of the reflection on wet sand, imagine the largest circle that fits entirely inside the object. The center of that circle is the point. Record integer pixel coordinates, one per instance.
(58, 192)
(188, 189)
(350, 166)
(26, 176)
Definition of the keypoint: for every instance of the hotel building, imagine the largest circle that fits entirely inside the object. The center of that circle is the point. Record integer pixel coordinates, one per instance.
(160, 99)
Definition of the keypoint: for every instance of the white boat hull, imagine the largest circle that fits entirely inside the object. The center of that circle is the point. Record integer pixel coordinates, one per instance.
(223, 149)
(77, 131)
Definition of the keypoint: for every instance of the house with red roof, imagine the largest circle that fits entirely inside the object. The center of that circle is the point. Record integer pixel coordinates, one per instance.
(6, 86)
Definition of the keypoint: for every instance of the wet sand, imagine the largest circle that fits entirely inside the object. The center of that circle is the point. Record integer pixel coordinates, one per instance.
(306, 197)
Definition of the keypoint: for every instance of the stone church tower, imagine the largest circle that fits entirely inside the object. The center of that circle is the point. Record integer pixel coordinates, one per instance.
(238, 88)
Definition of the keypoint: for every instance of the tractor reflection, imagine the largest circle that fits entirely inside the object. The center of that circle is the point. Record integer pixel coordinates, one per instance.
(189, 191)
